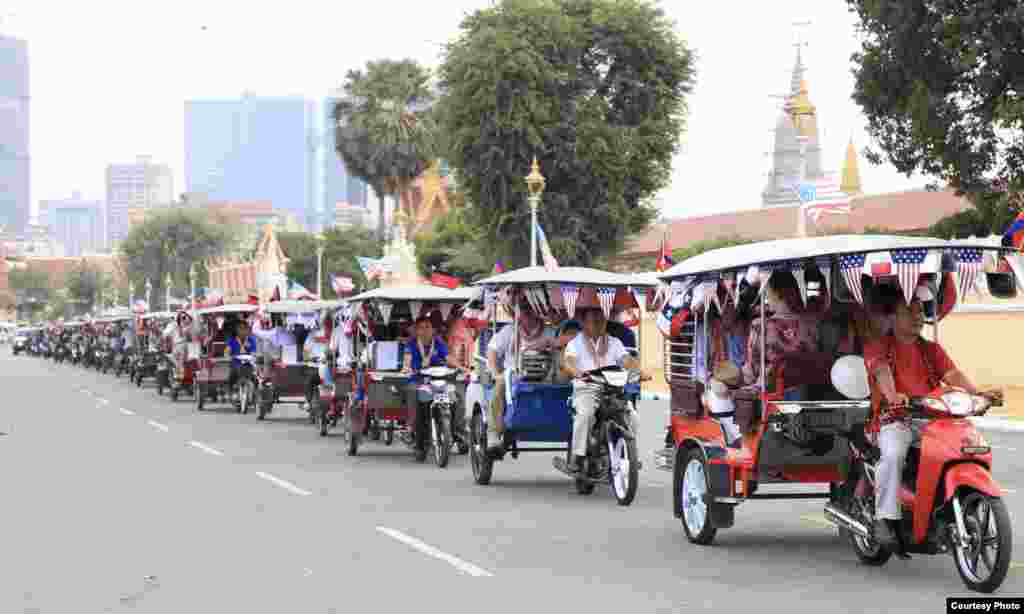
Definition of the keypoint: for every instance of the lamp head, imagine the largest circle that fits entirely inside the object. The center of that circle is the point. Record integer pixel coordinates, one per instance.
(535, 181)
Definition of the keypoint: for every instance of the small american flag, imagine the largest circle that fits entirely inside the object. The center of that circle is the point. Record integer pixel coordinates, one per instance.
(384, 307)
(969, 264)
(606, 296)
(824, 264)
(851, 266)
(341, 285)
(570, 293)
(907, 263)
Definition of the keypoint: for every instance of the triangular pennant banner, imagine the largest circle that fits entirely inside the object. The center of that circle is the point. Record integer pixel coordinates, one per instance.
(385, 310)
(606, 296)
(415, 308)
(446, 309)
(801, 282)
(570, 294)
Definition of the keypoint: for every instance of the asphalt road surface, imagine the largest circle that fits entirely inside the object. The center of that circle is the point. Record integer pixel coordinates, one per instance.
(115, 500)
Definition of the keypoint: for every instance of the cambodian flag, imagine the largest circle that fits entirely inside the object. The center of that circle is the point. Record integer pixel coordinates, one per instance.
(1014, 235)
(550, 264)
(499, 268)
(140, 306)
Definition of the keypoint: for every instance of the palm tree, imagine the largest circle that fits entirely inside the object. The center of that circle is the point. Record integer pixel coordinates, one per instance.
(386, 133)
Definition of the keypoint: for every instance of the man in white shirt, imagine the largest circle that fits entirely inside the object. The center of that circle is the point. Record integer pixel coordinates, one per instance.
(592, 349)
(280, 338)
(500, 358)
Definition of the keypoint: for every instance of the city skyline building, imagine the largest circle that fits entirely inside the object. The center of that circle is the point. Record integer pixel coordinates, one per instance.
(76, 224)
(15, 161)
(142, 184)
(253, 149)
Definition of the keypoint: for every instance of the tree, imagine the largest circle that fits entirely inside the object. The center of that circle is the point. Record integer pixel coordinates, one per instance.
(172, 240)
(385, 131)
(453, 247)
(940, 82)
(300, 247)
(88, 285)
(595, 89)
(992, 213)
(33, 288)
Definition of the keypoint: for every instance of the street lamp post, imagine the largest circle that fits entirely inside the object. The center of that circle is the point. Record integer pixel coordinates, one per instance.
(149, 291)
(192, 284)
(167, 292)
(319, 269)
(131, 293)
(535, 185)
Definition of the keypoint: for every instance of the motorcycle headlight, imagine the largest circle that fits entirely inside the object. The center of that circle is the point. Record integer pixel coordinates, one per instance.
(958, 403)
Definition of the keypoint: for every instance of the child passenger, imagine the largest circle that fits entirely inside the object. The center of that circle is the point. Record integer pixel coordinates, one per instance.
(718, 399)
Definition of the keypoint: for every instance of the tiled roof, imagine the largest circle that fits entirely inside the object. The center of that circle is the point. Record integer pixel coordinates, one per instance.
(909, 211)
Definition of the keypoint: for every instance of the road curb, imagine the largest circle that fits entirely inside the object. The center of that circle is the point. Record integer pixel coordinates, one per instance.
(1002, 425)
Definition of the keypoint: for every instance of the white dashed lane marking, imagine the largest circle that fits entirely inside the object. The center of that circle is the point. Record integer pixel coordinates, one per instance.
(292, 488)
(427, 549)
(205, 448)
(158, 426)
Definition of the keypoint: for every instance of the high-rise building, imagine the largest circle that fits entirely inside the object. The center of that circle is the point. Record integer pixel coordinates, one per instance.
(140, 184)
(77, 224)
(339, 187)
(252, 149)
(14, 143)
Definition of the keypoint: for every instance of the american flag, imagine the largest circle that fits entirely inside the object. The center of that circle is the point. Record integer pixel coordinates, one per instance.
(828, 199)
(341, 285)
(606, 296)
(851, 266)
(415, 307)
(907, 263)
(373, 269)
(969, 264)
(825, 266)
(570, 293)
(550, 264)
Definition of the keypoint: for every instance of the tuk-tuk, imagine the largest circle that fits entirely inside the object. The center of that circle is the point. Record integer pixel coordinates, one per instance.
(788, 322)
(382, 403)
(151, 359)
(214, 363)
(335, 379)
(295, 379)
(537, 407)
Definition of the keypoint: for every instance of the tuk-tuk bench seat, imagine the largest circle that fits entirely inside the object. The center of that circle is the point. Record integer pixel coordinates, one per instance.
(540, 412)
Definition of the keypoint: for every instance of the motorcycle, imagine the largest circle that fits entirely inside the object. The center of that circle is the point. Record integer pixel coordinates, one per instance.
(952, 503)
(247, 385)
(436, 398)
(20, 345)
(611, 443)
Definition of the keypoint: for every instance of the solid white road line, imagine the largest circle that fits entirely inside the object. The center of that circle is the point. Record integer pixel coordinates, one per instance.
(284, 484)
(205, 448)
(157, 425)
(429, 550)
(127, 412)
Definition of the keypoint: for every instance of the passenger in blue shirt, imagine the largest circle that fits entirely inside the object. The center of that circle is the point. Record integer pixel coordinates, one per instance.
(424, 350)
(241, 343)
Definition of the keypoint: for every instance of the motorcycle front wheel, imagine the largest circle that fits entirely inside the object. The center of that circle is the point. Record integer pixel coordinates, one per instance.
(441, 439)
(983, 564)
(623, 469)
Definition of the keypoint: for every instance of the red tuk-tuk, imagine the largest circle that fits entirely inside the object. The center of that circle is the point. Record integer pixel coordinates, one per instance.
(799, 416)
(214, 363)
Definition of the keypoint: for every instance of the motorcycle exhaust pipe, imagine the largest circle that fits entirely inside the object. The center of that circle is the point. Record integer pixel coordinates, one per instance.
(845, 521)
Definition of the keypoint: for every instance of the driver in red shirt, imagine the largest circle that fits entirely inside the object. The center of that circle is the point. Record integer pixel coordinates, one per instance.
(902, 365)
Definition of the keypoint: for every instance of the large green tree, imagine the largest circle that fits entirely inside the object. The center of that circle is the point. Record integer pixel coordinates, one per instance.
(991, 214)
(341, 248)
(170, 241)
(595, 89)
(33, 288)
(941, 84)
(385, 133)
(89, 287)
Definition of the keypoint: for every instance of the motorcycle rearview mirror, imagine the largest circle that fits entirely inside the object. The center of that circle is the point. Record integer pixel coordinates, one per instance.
(850, 377)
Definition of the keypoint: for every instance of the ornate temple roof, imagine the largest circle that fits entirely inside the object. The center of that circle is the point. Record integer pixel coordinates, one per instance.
(851, 172)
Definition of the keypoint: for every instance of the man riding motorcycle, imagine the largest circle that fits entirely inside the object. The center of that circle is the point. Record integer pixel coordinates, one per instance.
(426, 350)
(902, 365)
(592, 349)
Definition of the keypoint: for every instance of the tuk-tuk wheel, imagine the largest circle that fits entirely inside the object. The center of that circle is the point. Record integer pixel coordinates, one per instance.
(174, 395)
(693, 486)
(264, 409)
(483, 465)
(198, 391)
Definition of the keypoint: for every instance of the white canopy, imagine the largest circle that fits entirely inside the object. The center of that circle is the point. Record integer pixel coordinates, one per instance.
(239, 308)
(784, 250)
(565, 275)
(424, 293)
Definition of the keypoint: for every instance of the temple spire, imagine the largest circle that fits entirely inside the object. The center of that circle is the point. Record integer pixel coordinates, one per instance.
(851, 172)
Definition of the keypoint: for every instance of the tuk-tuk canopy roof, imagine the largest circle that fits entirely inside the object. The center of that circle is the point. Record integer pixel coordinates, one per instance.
(292, 306)
(566, 275)
(239, 308)
(423, 293)
(159, 315)
(789, 250)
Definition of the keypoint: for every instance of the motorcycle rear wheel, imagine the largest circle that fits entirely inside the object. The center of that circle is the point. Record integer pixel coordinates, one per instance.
(482, 464)
(988, 526)
(869, 552)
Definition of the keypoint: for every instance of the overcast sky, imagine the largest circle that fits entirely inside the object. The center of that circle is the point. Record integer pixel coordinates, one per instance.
(109, 78)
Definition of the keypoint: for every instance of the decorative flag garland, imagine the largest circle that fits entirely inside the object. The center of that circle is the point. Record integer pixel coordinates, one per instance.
(908, 263)
(851, 266)
(385, 310)
(570, 294)
(968, 266)
(606, 296)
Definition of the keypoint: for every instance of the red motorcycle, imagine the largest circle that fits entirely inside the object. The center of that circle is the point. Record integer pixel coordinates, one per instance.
(951, 502)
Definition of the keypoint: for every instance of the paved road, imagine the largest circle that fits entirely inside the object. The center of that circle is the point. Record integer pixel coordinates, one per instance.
(116, 500)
